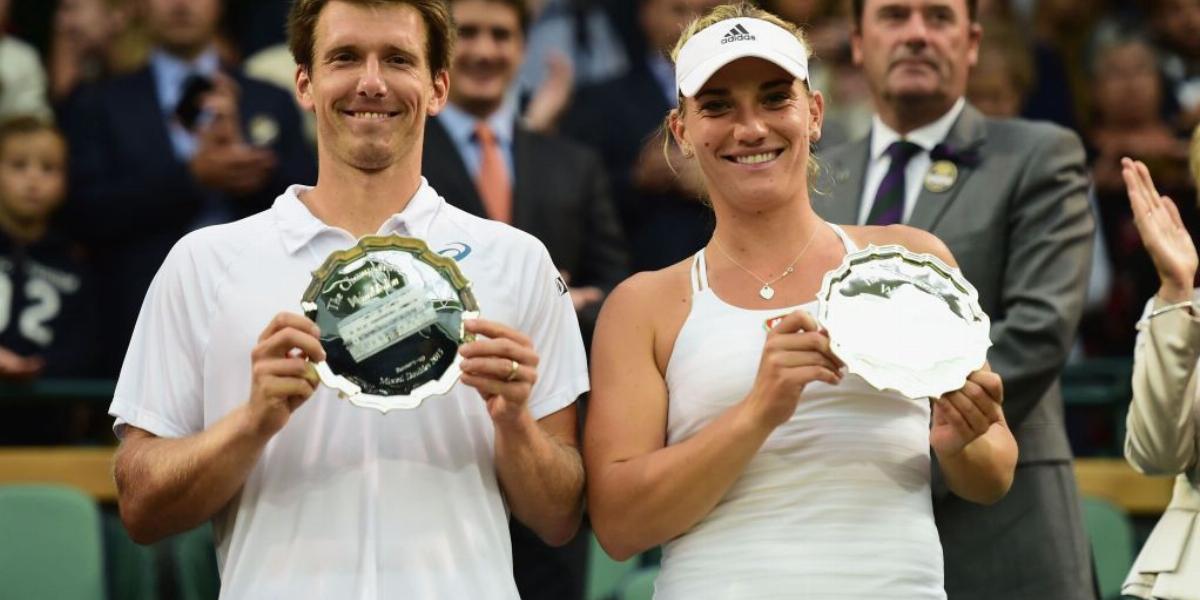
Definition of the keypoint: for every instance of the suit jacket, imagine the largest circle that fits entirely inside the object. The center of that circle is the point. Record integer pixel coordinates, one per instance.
(131, 199)
(560, 196)
(616, 119)
(1018, 222)
(1162, 438)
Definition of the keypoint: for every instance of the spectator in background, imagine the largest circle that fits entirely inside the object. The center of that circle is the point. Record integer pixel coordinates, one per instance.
(47, 310)
(661, 211)
(22, 78)
(1128, 122)
(1063, 30)
(574, 36)
(48, 316)
(1012, 207)
(179, 144)
(1164, 416)
(550, 187)
(1003, 76)
(1176, 25)
(91, 40)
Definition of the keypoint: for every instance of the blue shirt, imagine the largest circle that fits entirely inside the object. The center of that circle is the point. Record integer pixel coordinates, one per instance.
(461, 127)
(664, 74)
(170, 72)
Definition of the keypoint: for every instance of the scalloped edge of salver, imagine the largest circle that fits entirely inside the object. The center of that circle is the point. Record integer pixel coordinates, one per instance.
(870, 372)
(352, 392)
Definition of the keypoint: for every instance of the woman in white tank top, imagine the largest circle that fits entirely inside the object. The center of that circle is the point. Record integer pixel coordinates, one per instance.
(734, 437)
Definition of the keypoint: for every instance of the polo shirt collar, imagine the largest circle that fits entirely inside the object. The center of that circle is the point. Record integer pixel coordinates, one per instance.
(298, 226)
(926, 137)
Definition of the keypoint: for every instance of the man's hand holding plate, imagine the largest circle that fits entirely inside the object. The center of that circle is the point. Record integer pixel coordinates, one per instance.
(502, 366)
(961, 416)
(281, 377)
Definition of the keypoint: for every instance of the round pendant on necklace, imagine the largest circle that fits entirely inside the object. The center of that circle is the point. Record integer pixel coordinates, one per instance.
(767, 292)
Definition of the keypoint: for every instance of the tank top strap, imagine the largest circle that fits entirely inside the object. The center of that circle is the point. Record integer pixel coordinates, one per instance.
(846, 241)
(699, 273)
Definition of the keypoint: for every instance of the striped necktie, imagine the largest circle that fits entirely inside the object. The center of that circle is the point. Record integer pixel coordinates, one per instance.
(494, 188)
(888, 208)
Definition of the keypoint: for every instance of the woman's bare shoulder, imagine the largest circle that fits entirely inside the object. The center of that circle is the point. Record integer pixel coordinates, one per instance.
(653, 289)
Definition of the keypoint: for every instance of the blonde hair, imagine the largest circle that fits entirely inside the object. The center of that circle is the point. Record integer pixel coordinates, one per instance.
(724, 12)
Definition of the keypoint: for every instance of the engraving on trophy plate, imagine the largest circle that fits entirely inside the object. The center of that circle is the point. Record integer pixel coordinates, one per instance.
(384, 321)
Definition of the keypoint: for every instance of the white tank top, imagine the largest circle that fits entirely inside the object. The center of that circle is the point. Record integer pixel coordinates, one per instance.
(836, 503)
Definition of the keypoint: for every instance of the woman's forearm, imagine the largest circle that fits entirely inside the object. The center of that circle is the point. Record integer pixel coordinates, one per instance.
(983, 471)
(644, 501)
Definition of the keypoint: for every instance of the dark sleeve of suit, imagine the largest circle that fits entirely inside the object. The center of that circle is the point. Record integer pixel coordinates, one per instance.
(111, 197)
(296, 163)
(125, 178)
(1045, 281)
(604, 261)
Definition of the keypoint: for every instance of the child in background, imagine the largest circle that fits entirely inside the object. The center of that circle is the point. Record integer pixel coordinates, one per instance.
(47, 316)
(47, 322)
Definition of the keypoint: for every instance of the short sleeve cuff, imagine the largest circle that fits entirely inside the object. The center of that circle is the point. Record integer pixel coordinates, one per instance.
(553, 402)
(126, 413)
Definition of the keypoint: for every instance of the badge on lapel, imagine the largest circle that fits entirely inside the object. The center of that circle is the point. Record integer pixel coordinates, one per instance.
(263, 130)
(941, 176)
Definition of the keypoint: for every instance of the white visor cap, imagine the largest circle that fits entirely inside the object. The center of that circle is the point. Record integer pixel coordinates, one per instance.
(726, 41)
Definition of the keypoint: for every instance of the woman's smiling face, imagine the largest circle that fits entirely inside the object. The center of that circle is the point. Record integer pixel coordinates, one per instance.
(750, 126)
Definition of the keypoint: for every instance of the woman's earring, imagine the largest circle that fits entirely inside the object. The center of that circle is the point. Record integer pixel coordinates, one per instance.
(687, 151)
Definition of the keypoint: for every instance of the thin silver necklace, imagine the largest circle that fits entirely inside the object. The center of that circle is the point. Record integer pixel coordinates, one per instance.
(766, 292)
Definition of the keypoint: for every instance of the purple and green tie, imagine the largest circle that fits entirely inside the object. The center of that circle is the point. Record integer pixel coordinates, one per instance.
(888, 208)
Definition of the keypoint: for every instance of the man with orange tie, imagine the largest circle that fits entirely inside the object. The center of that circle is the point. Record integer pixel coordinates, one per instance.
(481, 158)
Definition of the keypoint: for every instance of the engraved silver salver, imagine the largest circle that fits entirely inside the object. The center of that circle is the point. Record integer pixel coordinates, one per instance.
(904, 321)
(391, 316)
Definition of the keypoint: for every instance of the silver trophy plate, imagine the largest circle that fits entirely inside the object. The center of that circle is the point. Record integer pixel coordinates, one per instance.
(904, 321)
(391, 316)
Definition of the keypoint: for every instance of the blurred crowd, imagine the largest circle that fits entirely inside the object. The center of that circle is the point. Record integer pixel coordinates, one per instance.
(128, 123)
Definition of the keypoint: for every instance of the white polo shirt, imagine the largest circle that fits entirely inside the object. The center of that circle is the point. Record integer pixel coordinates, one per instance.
(346, 502)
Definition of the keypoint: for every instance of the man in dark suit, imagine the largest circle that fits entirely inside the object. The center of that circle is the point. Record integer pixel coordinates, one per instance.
(177, 145)
(481, 159)
(547, 186)
(663, 213)
(1008, 198)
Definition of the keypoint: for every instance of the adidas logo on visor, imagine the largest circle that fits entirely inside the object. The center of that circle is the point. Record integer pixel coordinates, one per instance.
(737, 34)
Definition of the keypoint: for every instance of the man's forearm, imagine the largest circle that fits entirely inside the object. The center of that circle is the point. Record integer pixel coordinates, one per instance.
(542, 478)
(169, 485)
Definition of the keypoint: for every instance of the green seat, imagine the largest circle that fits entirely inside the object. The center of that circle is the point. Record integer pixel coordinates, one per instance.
(605, 575)
(196, 564)
(1111, 533)
(639, 585)
(50, 544)
(132, 568)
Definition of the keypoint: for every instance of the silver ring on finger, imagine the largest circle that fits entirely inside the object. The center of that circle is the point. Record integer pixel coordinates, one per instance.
(512, 371)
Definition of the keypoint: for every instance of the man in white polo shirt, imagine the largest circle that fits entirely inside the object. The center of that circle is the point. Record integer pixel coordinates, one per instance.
(312, 497)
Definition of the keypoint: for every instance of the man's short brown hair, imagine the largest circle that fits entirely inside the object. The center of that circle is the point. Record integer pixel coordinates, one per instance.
(439, 42)
(857, 5)
(521, 7)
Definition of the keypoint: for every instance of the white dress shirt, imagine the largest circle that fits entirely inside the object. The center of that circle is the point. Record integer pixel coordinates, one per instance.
(882, 137)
